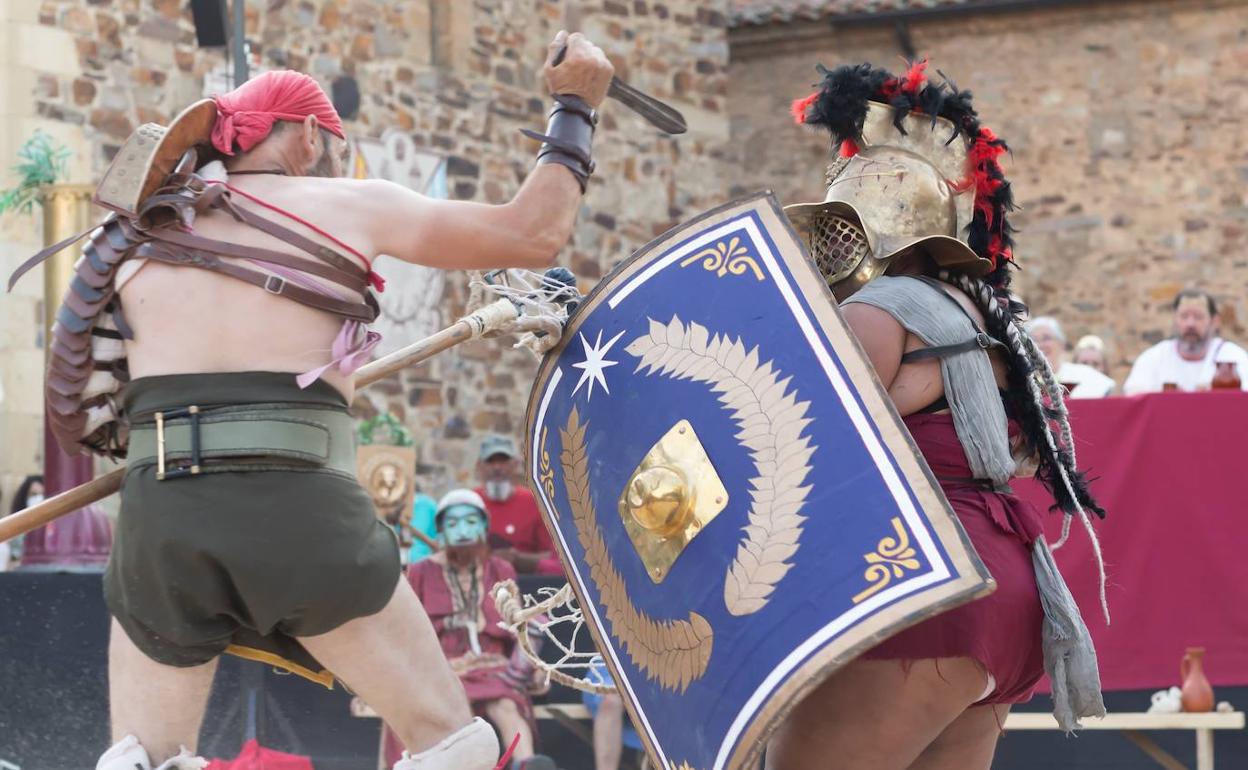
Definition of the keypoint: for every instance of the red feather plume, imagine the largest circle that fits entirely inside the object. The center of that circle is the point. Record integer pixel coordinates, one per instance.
(915, 77)
(798, 107)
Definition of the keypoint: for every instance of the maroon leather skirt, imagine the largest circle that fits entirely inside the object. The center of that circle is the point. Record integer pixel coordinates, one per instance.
(1001, 631)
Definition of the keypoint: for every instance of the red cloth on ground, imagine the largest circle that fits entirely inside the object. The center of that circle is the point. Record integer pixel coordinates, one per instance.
(1002, 630)
(1168, 468)
(517, 521)
(255, 757)
(246, 115)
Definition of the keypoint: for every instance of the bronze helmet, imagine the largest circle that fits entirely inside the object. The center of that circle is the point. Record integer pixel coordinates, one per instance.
(899, 191)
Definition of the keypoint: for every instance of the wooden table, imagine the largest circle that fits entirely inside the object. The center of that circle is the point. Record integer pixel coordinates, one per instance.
(1133, 726)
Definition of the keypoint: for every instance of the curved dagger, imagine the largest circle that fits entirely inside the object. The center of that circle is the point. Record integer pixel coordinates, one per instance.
(658, 114)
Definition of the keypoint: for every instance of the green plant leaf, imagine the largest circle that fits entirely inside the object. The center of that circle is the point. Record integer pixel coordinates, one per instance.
(41, 161)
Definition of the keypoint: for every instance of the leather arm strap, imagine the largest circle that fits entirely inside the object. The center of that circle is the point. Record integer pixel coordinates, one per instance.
(569, 137)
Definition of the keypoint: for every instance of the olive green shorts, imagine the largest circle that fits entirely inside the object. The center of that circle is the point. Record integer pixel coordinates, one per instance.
(245, 560)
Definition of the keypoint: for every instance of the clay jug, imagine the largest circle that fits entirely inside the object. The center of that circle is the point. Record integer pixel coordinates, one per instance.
(1226, 376)
(1197, 694)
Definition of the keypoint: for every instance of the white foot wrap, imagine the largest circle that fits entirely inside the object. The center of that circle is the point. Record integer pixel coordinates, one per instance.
(184, 761)
(129, 754)
(474, 747)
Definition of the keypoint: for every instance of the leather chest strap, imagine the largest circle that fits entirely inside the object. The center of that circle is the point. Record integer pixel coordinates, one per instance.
(276, 285)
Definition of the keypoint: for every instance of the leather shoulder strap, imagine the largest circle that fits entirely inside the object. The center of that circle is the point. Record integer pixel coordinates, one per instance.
(287, 235)
(176, 237)
(43, 254)
(980, 340)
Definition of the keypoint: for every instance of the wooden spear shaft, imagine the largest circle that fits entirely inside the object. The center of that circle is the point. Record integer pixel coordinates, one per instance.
(489, 318)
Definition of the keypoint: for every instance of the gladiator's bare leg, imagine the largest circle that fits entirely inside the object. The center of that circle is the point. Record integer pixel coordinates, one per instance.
(608, 733)
(509, 722)
(876, 715)
(163, 706)
(968, 743)
(393, 661)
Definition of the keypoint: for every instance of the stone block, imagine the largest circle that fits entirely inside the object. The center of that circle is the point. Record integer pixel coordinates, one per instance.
(83, 92)
(111, 122)
(44, 49)
(21, 11)
(156, 53)
(21, 452)
(160, 28)
(17, 86)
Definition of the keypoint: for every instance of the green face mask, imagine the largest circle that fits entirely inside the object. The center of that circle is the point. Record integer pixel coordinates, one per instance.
(463, 525)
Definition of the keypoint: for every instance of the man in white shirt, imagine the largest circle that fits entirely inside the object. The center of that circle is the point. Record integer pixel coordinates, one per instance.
(1188, 360)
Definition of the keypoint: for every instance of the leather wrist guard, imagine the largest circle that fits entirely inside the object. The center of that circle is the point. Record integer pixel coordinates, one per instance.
(569, 136)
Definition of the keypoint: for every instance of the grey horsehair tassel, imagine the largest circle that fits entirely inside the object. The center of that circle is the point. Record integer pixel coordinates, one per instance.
(1069, 658)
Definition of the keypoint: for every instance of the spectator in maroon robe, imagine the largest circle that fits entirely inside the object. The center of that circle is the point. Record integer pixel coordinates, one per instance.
(454, 586)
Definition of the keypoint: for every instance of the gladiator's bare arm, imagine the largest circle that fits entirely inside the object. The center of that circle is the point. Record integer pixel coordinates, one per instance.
(881, 337)
(526, 232)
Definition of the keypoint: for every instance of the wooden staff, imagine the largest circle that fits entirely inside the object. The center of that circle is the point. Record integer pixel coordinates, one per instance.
(493, 317)
(434, 545)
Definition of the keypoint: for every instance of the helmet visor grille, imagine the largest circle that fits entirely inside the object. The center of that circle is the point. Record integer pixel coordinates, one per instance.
(838, 245)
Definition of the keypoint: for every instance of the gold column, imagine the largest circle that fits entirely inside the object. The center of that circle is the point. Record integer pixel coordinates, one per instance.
(66, 211)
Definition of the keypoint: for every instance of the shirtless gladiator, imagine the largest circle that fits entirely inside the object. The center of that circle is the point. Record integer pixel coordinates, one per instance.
(242, 526)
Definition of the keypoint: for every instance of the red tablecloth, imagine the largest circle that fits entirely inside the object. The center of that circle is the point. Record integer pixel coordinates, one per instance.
(1170, 470)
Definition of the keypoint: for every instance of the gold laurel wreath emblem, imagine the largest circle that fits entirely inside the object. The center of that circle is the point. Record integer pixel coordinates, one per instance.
(547, 476)
(724, 258)
(890, 559)
(771, 423)
(675, 652)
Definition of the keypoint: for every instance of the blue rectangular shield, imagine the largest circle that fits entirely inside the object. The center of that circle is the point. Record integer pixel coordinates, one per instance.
(739, 508)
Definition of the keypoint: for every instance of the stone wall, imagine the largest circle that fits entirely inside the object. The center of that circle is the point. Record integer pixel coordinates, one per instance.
(34, 59)
(1126, 120)
(460, 77)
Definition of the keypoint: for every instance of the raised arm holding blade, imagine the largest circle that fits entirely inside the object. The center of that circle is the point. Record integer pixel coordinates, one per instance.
(242, 526)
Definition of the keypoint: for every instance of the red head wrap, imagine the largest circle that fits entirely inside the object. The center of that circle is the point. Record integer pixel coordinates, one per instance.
(246, 114)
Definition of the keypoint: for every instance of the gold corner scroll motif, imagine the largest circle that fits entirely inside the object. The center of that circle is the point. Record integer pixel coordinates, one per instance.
(547, 476)
(671, 496)
(771, 422)
(724, 258)
(674, 652)
(891, 558)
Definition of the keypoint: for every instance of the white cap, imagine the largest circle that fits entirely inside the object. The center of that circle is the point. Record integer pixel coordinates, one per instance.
(461, 497)
(1090, 342)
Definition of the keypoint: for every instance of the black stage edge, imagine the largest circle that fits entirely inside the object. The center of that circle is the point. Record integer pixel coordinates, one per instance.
(54, 701)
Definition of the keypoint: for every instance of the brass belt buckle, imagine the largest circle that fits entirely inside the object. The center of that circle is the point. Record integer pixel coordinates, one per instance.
(161, 473)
